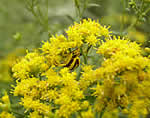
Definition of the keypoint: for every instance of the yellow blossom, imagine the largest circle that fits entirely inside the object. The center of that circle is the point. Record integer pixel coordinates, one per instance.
(35, 114)
(120, 83)
(88, 114)
(36, 105)
(6, 115)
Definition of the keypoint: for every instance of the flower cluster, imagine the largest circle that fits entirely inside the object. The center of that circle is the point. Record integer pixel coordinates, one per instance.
(87, 32)
(122, 79)
(49, 87)
(5, 107)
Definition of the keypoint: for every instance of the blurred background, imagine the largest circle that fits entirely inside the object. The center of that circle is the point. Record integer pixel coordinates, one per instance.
(24, 24)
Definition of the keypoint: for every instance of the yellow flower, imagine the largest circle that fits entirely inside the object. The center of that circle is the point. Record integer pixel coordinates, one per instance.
(87, 31)
(121, 80)
(5, 105)
(121, 46)
(29, 66)
(35, 114)
(6, 115)
(5, 98)
(88, 114)
(36, 105)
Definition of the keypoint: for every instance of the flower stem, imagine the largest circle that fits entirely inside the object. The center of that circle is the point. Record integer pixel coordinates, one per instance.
(102, 112)
(84, 56)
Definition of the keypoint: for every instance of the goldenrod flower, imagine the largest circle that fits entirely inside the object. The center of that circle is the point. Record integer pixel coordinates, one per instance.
(48, 88)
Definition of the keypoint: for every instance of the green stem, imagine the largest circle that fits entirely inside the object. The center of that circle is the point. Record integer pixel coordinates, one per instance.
(78, 6)
(41, 19)
(142, 5)
(15, 105)
(84, 56)
(78, 11)
(84, 7)
(35, 15)
(122, 18)
(85, 60)
(89, 47)
(147, 10)
(17, 113)
(132, 25)
(79, 73)
(102, 112)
